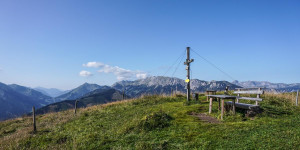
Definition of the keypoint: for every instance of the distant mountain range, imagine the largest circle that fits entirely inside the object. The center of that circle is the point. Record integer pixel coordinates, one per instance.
(99, 96)
(276, 87)
(165, 85)
(52, 92)
(80, 91)
(17, 100)
(92, 94)
(37, 96)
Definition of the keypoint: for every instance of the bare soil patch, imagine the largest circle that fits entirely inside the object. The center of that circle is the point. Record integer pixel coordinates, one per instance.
(206, 118)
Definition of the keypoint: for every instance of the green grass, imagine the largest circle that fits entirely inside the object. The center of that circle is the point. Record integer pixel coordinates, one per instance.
(157, 122)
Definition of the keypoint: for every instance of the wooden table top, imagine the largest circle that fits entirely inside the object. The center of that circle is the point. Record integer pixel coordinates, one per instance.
(223, 96)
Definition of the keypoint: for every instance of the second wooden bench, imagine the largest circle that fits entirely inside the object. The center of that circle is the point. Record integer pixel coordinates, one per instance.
(252, 109)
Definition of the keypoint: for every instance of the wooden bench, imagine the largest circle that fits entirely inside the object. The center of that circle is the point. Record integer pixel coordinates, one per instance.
(252, 109)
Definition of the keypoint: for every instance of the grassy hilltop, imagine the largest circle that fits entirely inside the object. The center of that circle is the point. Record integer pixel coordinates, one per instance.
(158, 122)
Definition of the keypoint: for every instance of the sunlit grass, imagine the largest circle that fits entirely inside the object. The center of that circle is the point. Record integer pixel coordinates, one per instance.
(157, 122)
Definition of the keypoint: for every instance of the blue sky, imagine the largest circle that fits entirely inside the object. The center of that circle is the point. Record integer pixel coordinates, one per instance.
(48, 43)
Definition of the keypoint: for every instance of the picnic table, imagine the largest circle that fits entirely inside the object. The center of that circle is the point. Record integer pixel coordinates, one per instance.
(221, 99)
(252, 109)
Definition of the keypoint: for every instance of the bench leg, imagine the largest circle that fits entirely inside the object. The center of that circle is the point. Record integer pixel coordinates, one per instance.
(219, 108)
(210, 105)
(222, 109)
(256, 102)
(233, 106)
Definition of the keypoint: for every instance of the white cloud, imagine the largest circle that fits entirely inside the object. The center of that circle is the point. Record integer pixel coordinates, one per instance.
(93, 64)
(84, 73)
(120, 73)
(141, 75)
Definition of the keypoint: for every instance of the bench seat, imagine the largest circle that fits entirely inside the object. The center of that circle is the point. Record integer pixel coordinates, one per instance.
(249, 98)
(243, 105)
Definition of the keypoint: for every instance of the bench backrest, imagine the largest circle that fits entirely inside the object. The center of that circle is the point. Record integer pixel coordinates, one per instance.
(257, 91)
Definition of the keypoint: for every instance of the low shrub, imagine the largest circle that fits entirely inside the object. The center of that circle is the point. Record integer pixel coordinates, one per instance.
(156, 120)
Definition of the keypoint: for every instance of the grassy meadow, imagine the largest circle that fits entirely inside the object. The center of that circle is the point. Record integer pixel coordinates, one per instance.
(158, 122)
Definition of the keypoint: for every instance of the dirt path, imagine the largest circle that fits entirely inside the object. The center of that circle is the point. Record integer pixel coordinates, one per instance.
(206, 118)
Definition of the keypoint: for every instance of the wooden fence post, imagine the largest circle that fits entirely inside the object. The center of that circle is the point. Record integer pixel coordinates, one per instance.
(222, 108)
(297, 97)
(237, 100)
(123, 94)
(75, 107)
(233, 106)
(219, 108)
(210, 105)
(258, 96)
(206, 93)
(196, 96)
(226, 90)
(33, 119)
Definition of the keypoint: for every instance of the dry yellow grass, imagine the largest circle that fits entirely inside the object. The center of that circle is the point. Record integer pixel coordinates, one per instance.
(291, 97)
(45, 123)
(24, 127)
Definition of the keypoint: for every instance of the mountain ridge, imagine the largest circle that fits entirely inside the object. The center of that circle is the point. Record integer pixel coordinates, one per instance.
(165, 85)
(78, 92)
(13, 103)
(52, 92)
(277, 87)
(98, 96)
(154, 85)
(35, 95)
